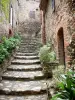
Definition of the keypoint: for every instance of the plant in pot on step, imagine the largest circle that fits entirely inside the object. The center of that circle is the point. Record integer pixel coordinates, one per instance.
(46, 56)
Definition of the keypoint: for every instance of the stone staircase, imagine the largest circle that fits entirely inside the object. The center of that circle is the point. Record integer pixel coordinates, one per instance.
(24, 79)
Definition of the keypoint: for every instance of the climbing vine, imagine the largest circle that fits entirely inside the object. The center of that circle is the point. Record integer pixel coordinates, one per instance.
(5, 8)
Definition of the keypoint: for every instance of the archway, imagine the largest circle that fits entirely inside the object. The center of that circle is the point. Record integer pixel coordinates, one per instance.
(61, 51)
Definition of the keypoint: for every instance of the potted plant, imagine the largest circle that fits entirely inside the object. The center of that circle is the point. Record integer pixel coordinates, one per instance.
(46, 56)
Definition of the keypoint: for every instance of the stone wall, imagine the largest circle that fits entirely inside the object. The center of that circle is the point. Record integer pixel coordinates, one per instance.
(15, 14)
(15, 5)
(59, 18)
(29, 17)
(29, 28)
(5, 20)
(28, 7)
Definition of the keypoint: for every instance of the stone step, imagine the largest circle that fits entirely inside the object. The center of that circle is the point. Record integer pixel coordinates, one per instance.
(26, 50)
(26, 57)
(26, 54)
(22, 88)
(28, 44)
(18, 61)
(23, 44)
(26, 47)
(29, 49)
(24, 67)
(31, 97)
(29, 39)
(31, 42)
(23, 76)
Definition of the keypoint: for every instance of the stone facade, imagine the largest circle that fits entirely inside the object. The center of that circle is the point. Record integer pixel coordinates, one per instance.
(59, 25)
(29, 10)
(15, 13)
(5, 16)
(29, 17)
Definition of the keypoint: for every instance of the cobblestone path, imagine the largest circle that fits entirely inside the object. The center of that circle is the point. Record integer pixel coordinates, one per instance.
(24, 79)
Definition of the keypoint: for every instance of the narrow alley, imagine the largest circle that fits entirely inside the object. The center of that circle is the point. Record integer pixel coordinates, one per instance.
(37, 49)
(24, 79)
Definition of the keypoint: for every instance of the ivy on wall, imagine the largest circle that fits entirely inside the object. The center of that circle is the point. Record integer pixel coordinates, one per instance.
(5, 8)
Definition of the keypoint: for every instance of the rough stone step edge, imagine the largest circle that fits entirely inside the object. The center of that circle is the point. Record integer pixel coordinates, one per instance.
(24, 70)
(22, 53)
(23, 79)
(33, 58)
(25, 93)
(26, 54)
(31, 97)
(29, 63)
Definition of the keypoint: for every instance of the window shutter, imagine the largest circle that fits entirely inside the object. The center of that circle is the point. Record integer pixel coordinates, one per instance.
(53, 5)
(32, 14)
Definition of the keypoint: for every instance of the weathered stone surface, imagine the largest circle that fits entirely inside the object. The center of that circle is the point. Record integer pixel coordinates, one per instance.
(27, 51)
(34, 97)
(33, 75)
(23, 44)
(28, 45)
(19, 87)
(26, 57)
(26, 54)
(24, 67)
(59, 19)
(18, 61)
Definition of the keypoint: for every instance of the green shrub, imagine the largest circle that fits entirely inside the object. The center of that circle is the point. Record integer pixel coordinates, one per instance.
(7, 46)
(66, 87)
(46, 54)
(3, 53)
(17, 36)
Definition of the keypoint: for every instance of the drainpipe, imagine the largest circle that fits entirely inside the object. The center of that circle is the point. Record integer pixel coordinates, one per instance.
(43, 28)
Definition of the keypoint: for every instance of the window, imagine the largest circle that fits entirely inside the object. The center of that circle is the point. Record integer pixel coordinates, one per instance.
(53, 5)
(11, 15)
(32, 14)
(18, 3)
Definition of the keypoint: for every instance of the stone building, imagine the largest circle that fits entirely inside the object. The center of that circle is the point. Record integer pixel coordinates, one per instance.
(58, 25)
(29, 17)
(8, 16)
(14, 13)
(29, 10)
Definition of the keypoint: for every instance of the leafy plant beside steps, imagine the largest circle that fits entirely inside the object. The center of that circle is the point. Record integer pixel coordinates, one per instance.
(66, 87)
(47, 57)
(7, 46)
(71, 51)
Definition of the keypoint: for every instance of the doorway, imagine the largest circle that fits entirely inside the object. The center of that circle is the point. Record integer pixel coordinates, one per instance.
(61, 51)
